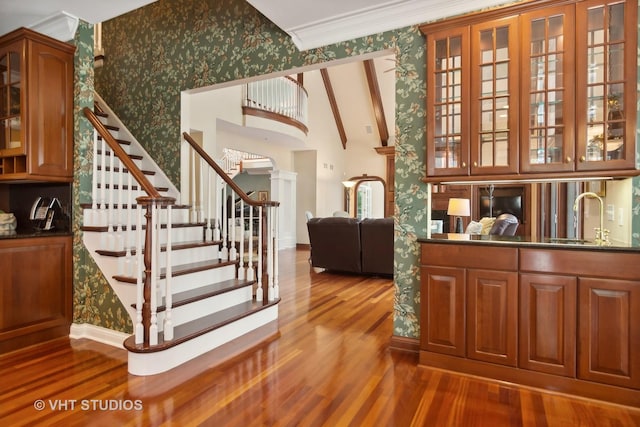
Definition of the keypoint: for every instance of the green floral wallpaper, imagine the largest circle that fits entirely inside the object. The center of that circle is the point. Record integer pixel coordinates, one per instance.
(155, 52)
(94, 301)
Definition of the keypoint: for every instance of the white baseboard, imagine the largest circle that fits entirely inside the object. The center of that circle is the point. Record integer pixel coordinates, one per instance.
(98, 333)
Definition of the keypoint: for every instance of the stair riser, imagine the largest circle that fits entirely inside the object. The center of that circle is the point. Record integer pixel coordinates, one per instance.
(155, 363)
(201, 278)
(193, 311)
(121, 216)
(124, 176)
(119, 241)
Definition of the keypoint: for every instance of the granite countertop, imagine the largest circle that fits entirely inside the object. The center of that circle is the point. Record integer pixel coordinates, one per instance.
(562, 243)
(27, 234)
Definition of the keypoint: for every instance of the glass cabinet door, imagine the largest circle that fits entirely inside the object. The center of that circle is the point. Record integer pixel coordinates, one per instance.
(606, 110)
(11, 141)
(547, 104)
(494, 96)
(447, 110)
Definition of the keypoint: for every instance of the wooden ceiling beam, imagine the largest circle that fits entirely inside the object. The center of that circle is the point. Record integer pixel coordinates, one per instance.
(334, 106)
(376, 100)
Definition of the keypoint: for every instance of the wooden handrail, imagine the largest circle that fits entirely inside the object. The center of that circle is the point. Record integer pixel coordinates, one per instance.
(139, 176)
(248, 200)
(297, 84)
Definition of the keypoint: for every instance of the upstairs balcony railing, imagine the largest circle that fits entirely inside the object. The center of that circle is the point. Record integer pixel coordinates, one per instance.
(282, 99)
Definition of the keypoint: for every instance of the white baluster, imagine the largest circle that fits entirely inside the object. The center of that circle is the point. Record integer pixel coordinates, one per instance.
(207, 222)
(270, 296)
(259, 290)
(276, 227)
(111, 243)
(233, 252)
(128, 263)
(194, 207)
(201, 198)
(103, 185)
(153, 327)
(91, 218)
(139, 283)
(224, 252)
(119, 235)
(168, 321)
(241, 270)
(250, 271)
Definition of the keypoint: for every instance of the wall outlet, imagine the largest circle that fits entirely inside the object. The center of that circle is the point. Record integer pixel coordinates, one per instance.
(620, 216)
(611, 216)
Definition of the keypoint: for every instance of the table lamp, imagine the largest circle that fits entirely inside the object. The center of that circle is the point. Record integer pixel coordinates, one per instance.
(458, 208)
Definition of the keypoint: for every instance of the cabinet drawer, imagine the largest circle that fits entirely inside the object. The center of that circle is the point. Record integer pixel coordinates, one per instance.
(470, 256)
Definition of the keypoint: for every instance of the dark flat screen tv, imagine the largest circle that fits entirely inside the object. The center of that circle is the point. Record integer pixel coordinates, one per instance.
(505, 203)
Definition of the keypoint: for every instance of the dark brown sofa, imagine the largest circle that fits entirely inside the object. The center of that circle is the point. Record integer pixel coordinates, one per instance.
(352, 245)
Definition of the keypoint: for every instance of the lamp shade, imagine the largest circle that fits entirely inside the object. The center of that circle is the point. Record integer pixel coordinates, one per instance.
(459, 207)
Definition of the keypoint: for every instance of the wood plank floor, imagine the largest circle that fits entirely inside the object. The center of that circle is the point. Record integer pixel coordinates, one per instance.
(330, 365)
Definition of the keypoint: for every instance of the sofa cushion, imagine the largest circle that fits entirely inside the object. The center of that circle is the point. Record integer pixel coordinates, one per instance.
(335, 243)
(376, 237)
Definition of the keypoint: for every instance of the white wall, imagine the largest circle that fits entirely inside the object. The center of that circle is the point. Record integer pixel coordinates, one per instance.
(218, 114)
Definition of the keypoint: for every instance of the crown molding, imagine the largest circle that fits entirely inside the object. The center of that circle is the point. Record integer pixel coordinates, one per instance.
(389, 16)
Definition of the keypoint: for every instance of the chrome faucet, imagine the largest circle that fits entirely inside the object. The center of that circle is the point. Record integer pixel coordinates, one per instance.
(602, 235)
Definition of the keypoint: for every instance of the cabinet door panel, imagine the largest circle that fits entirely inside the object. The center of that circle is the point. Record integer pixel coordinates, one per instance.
(609, 331)
(51, 101)
(547, 98)
(548, 323)
(447, 105)
(606, 69)
(442, 318)
(494, 91)
(492, 316)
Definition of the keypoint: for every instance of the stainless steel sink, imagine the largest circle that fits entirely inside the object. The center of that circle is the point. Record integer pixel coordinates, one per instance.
(569, 241)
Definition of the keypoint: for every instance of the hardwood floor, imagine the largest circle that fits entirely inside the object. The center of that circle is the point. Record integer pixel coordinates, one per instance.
(330, 365)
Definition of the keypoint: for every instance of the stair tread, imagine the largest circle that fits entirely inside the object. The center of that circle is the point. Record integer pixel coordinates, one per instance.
(198, 327)
(118, 140)
(175, 247)
(105, 228)
(126, 187)
(132, 156)
(117, 169)
(203, 292)
(182, 269)
(134, 206)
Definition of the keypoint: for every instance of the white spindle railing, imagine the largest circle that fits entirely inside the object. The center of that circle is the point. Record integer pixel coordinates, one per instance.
(283, 95)
(141, 241)
(238, 231)
(114, 210)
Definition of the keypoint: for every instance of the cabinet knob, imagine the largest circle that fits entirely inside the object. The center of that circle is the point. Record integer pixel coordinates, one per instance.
(475, 164)
(568, 159)
(583, 158)
(464, 164)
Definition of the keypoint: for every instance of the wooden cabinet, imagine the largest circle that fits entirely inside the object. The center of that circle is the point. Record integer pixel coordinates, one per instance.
(492, 316)
(494, 93)
(448, 102)
(548, 323)
(35, 290)
(548, 79)
(543, 315)
(545, 87)
(442, 322)
(484, 294)
(609, 323)
(606, 68)
(36, 108)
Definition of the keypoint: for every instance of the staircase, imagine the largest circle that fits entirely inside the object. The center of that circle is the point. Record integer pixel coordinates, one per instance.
(193, 277)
